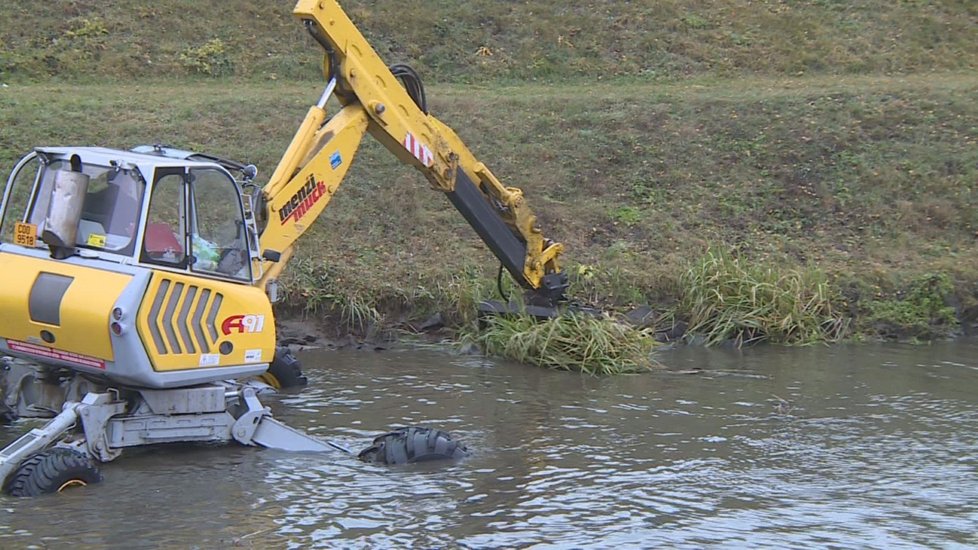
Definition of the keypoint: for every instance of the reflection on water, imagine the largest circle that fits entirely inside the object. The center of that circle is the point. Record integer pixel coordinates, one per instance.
(855, 446)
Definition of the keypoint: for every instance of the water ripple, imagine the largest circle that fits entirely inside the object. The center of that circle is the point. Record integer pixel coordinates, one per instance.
(849, 446)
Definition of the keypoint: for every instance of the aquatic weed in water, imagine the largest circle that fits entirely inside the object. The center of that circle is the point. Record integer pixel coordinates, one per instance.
(572, 341)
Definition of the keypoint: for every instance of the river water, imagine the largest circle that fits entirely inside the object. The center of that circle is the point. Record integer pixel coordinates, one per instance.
(858, 446)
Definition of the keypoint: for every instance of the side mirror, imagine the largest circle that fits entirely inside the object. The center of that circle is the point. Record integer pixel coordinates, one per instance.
(271, 255)
(249, 172)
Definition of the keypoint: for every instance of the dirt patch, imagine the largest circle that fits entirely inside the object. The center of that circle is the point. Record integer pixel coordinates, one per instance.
(303, 333)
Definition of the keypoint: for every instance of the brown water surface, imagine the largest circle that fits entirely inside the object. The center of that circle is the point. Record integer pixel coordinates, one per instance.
(862, 446)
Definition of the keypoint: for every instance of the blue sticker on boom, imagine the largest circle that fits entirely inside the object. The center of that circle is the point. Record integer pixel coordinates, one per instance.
(335, 160)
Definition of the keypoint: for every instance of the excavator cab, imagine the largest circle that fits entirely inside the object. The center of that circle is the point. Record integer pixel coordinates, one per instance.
(136, 267)
(129, 312)
(161, 210)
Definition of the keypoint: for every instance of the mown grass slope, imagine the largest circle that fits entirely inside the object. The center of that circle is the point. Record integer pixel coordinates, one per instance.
(484, 40)
(822, 135)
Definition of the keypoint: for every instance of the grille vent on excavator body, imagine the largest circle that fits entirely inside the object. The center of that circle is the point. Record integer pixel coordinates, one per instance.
(182, 318)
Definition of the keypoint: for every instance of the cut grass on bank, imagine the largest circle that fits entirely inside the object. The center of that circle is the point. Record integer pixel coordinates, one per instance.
(486, 40)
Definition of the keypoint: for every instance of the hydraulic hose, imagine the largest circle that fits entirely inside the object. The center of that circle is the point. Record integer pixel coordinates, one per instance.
(412, 83)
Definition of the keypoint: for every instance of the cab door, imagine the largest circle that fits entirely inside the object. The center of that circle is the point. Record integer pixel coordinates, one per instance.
(165, 236)
(195, 222)
(200, 310)
(218, 233)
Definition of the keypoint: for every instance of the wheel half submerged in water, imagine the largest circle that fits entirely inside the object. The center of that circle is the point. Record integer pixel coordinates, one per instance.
(413, 444)
(285, 370)
(52, 470)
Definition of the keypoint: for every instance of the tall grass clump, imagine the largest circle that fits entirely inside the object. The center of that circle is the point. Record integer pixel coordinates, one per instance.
(726, 299)
(310, 288)
(572, 341)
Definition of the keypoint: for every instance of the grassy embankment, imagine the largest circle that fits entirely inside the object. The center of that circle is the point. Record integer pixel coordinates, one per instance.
(748, 167)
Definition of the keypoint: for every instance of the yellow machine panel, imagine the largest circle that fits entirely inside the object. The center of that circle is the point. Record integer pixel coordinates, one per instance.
(192, 322)
(58, 305)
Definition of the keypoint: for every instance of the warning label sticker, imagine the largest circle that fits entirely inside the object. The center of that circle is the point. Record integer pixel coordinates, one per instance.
(51, 353)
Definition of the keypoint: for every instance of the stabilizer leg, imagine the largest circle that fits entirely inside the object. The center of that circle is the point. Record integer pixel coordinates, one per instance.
(276, 435)
(257, 427)
(37, 439)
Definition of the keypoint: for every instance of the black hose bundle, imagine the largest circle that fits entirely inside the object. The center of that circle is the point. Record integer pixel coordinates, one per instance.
(412, 83)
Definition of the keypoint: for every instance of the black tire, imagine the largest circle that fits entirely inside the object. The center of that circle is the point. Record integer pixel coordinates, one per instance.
(285, 370)
(7, 415)
(52, 471)
(413, 444)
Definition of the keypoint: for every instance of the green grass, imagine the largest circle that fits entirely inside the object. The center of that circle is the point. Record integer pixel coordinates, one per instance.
(728, 299)
(867, 178)
(920, 311)
(487, 40)
(812, 136)
(574, 341)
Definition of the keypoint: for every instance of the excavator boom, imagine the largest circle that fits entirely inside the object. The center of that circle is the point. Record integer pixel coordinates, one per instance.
(374, 100)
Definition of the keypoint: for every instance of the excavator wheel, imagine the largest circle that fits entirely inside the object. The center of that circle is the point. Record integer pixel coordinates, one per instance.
(413, 444)
(285, 370)
(52, 471)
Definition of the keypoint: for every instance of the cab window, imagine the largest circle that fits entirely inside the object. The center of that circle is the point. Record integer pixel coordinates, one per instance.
(166, 221)
(15, 209)
(218, 238)
(110, 210)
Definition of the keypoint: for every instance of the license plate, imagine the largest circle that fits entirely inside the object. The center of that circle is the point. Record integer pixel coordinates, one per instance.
(25, 234)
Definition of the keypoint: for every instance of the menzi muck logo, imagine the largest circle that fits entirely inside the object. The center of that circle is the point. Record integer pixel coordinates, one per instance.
(302, 201)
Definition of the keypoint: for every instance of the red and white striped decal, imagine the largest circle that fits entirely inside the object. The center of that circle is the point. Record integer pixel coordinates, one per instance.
(418, 149)
(51, 353)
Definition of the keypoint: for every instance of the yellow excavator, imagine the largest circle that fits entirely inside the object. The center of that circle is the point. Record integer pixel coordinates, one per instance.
(136, 304)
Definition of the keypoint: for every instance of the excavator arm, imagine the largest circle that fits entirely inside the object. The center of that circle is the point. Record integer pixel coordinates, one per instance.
(374, 100)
